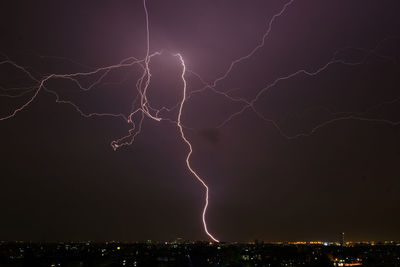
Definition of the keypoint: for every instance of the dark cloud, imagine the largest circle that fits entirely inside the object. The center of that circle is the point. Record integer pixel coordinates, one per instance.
(212, 135)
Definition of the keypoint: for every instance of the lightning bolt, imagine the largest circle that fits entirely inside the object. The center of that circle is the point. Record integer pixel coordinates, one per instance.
(141, 106)
(190, 147)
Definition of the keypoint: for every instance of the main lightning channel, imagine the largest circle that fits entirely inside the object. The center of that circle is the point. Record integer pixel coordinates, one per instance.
(179, 123)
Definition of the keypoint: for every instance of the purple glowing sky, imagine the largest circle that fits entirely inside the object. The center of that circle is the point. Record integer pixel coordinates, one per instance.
(298, 141)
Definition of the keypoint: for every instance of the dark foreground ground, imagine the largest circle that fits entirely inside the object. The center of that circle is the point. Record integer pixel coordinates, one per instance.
(196, 254)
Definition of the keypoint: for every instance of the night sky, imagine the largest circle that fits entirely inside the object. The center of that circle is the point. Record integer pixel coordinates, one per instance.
(61, 180)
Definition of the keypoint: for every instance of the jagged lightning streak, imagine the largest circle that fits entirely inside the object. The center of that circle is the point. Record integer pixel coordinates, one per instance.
(255, 49)
(246, 56)
(333, 61)
(179, 123)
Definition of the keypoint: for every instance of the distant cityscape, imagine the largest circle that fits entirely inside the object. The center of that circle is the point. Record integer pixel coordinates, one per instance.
(200, 253)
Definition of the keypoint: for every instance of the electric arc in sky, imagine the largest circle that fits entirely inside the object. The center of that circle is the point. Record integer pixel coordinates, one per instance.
(142, 108)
